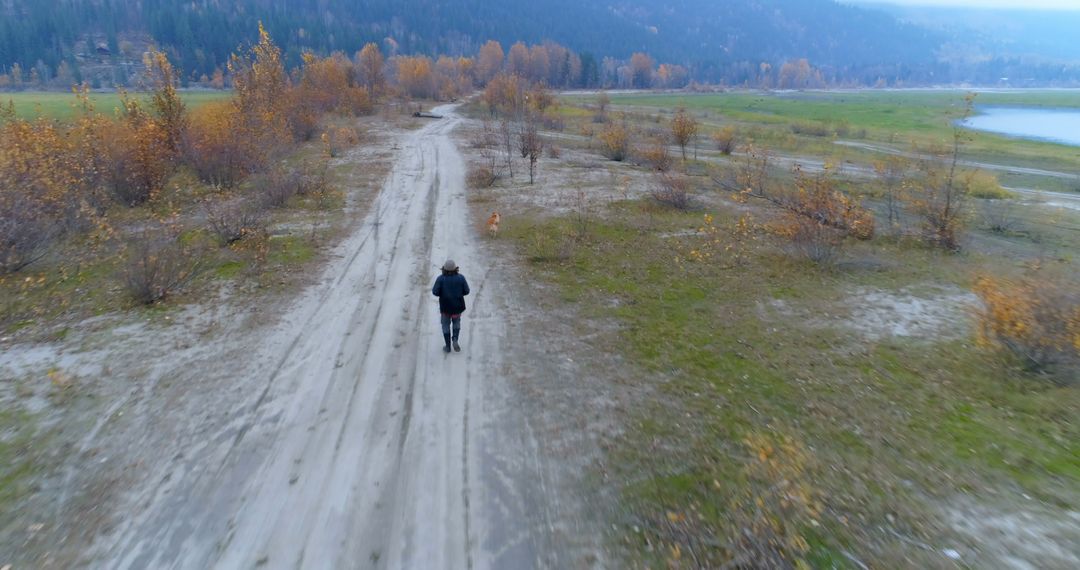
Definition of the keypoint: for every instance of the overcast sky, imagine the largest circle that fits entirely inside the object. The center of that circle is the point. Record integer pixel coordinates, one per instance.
(1052, 4)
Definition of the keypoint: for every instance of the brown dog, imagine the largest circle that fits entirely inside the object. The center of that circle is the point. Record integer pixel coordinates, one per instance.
(493, 224)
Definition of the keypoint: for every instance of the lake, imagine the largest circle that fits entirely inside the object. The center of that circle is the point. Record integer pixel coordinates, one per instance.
(1056, 125)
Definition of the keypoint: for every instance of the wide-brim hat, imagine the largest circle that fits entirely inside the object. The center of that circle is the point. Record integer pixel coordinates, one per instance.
(449, 265)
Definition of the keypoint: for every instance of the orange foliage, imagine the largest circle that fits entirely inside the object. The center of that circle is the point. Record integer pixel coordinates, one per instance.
(1035, 318)
(415, 76)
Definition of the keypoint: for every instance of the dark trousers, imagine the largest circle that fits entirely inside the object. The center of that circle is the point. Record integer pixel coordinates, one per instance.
(447, 321)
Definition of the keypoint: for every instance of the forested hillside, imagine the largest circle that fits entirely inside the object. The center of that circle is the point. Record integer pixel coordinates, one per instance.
(729, 42)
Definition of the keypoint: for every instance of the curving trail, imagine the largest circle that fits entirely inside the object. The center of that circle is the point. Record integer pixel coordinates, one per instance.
(366, 446)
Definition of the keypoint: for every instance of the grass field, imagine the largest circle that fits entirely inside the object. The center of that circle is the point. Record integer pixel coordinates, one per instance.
(886, 435)
(782, 120)
(30, 104)
(784, 411)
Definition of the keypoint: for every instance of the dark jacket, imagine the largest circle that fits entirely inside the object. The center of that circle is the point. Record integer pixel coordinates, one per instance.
(451, 289)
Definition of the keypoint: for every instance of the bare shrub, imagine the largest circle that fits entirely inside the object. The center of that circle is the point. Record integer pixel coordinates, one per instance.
(939, 194)
(25, 232)
(481, 176)
(234, 220)
(892, 171)
(553, 151)
(156, 264)
(813, 240)
(999, 216)
(673, 190)
(278, 186)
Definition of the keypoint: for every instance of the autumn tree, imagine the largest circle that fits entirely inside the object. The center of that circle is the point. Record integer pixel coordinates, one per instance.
(369, 63)
(517, 60)
(641, 70)
(683, 129)
(169, 110)
(415, 75)
(489, 61)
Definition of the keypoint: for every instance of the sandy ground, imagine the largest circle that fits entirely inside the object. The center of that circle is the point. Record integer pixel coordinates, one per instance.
(338, 434)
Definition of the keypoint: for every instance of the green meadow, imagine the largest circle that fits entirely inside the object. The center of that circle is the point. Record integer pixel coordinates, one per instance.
(63, 106)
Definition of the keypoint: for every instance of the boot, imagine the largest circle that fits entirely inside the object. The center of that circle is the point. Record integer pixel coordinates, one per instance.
(446, 338)
(457, 347)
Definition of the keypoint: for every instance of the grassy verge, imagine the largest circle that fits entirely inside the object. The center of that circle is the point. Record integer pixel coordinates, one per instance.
(779, 427)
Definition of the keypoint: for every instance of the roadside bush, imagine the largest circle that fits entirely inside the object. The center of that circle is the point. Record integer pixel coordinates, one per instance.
(234, 220)
(615, 142)
(137, 160)
(673, 190)
(156, 264)
(725, 140)
(481, 176)
(218, 148)
(1036, 319)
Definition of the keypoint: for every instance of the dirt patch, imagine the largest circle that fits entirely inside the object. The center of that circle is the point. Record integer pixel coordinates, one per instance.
(1027, 537)
(878, 314)
(945, 313)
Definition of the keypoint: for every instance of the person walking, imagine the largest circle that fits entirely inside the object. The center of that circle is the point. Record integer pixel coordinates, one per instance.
(451, 289)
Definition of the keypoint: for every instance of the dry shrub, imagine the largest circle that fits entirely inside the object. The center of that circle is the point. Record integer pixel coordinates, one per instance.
(1036, 318)
(547, 245)
(218, 148)
(336, 140)
(999, 216)
(726, 140)
(157, 264)
(358, 102)
(234, 220)
(811, 239)
(615, 141)
(820, 200)
(673, 190)
(656, 155)
(553, 151)
(137, 159)
(26, 232)
(819, 217)
(481, 176)
(777, 502)
(812, 129)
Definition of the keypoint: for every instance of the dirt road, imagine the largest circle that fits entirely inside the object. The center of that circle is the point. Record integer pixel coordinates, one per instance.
(366, 446)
